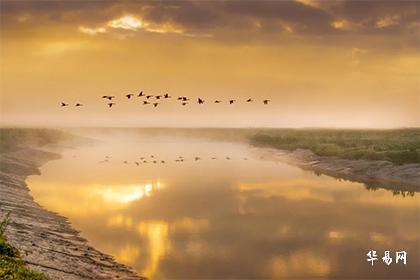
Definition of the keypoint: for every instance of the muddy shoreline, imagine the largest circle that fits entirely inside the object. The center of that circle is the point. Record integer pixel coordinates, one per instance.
(46, 240)
(400, 179)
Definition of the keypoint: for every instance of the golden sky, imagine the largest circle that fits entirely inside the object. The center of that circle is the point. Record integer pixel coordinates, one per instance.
(322, 63)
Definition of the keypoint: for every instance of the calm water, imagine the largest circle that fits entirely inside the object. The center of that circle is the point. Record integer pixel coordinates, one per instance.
(220, 218)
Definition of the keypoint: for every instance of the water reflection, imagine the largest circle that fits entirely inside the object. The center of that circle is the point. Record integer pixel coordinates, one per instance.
(226, 219)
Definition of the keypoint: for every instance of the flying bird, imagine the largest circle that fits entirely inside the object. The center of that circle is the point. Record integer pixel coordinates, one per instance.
(137, 163)
(162, 161)
(109, 97)
(228, 158)
(111, 104)
(129, 95)
(200, 101)
(181, 97)
(185, 99)
(166, 95)
(125, 162)
(158, 96)
(64, 104)
(140, 94)
(155, 104)
(217, 101)
(197, 158)
(266, 101)
(145, 102)
(148, 96)
(231, 101)
(249, 100)
(184, 103)
(79, 104)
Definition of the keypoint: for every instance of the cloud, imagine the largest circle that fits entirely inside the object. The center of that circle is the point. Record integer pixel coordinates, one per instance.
(134, 24)
(127, 23)
(92, 31)
(341, 24)
(387, 21)
(228, 20)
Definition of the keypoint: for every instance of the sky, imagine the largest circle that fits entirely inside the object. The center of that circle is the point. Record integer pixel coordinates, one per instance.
(321, 63)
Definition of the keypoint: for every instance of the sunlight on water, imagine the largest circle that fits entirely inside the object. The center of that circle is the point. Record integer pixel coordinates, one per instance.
(223, 212)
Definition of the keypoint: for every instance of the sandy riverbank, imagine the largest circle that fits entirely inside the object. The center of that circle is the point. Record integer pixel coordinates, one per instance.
(401, 179)
(46, 240)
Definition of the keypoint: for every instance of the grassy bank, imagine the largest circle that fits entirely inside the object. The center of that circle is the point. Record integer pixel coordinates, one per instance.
(399, 146)
(11, 264)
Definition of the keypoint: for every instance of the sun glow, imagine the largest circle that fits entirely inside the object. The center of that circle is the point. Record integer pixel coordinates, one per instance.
(127, 23)
(127, 194)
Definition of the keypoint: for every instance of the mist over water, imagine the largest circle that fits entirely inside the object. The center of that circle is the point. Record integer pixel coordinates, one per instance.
(223, 212)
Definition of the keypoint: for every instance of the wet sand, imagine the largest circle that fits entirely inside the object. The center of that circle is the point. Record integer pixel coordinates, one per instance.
(46, 240)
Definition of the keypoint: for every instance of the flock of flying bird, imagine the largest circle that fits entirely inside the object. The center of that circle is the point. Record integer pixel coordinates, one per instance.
(153, 159)
(154, 100)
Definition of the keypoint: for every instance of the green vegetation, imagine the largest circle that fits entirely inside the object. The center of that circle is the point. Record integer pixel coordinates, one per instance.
(12, 267)
(399, 146)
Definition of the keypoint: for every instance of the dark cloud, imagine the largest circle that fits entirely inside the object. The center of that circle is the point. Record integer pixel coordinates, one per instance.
(224, 19)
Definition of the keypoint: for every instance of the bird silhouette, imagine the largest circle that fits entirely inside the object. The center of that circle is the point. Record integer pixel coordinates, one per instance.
(129, 95)
(249, 100)
(155, 104)
(125, 162)
(137, 163)
(162, 161)
(144, 161)
(217, 101)
(213, 158)
(228, 158)
(166, 95)
(78, 104)
(184, 103)
(197, 158)
(154, 161)
(142, 158)
(64, 104)
(200, 101)
(111, 104)
(145, 102)
(109, 97)
(158, 96)
(185, 98)
(231, 101)
(152, 156)
(148, 96)
(140, 94)
(266, 101)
